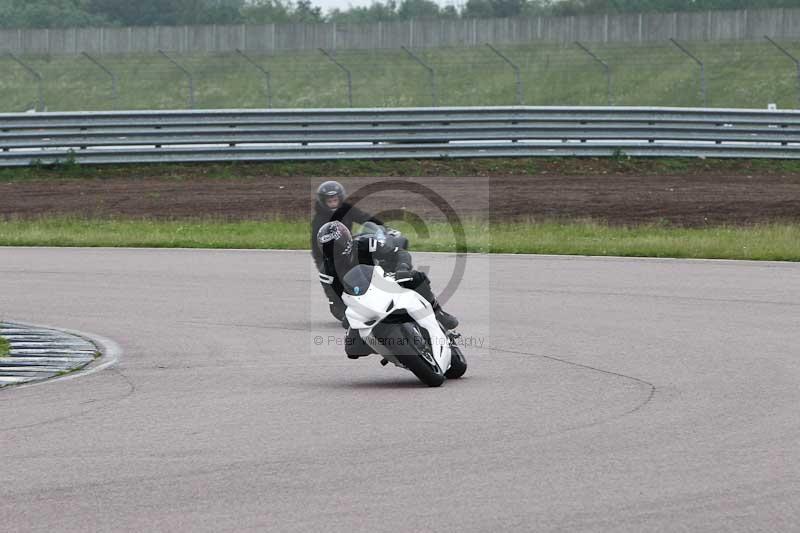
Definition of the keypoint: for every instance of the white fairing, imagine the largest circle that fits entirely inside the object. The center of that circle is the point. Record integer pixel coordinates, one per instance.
(372, 306)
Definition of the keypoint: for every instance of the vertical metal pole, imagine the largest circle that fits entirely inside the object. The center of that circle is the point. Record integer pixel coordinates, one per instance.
(188, 76)
(346, 71)
(605, 67)
(114, 93)
(702, 69)
(431, 74)
(513, 66)
(267, 76)
(37, 76)
(796, 62)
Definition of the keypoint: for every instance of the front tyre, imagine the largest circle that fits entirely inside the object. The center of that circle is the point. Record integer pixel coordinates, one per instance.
(419, 358)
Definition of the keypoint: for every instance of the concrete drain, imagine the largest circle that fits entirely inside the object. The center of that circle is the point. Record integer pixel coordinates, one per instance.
(38, 353)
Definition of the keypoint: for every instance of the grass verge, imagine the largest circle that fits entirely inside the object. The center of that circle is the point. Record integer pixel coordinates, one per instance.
(5, 347)
(778, 242)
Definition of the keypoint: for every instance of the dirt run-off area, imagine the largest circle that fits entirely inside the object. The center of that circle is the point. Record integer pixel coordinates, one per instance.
(700, 196)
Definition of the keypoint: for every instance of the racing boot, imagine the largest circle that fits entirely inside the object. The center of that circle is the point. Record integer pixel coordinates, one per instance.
(355, 347)
(448, 321)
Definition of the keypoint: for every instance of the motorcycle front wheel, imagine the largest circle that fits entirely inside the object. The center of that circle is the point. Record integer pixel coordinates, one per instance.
(413, 351)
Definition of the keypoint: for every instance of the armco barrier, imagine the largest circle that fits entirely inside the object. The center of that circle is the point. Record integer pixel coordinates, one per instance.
(272, 135)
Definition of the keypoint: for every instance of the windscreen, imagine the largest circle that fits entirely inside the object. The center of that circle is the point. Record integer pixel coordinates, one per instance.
(357, 281)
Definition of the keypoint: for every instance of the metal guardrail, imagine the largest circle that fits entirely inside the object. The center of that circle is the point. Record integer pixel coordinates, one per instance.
(272, 135)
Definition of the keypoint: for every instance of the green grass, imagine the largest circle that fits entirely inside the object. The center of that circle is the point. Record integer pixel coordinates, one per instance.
(5, 347)
(780, 242)
(56, 231)
(738, 74)
(773, 242)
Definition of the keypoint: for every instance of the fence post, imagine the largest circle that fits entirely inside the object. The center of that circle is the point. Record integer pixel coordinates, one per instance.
(346, 71)
(790, 56)
(37, 76)
(702, 69)
(605, 67)
(267, 75)
(188, 76)
(114, 93)
(516, 71)
(431, 74)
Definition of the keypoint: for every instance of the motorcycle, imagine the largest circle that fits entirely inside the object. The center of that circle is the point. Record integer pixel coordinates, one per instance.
(369, 232)
(401, 326)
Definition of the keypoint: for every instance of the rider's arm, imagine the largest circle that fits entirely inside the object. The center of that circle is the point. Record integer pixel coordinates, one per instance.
(328, 277)
(357, 215)
(393, 258)
(315, 251)
(403, 260)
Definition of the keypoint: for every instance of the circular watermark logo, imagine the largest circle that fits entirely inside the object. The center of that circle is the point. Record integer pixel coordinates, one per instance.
(409, 190)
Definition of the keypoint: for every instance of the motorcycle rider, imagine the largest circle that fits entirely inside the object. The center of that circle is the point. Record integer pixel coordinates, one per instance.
(331, 205)
(341, 252)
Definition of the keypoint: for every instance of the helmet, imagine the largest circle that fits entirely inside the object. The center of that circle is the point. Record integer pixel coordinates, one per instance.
(327, 190)
(335, 242)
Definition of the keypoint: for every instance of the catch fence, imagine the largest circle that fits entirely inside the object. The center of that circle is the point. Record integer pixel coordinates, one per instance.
(667, 73)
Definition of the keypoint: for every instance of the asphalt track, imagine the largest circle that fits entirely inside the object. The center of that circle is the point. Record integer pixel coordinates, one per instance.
(609, 395)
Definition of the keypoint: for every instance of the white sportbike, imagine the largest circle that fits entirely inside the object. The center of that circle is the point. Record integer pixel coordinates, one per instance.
(401, 326)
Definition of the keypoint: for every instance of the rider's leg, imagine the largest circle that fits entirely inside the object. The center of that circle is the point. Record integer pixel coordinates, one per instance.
(354, 345)
(422, 285)
(335, 303)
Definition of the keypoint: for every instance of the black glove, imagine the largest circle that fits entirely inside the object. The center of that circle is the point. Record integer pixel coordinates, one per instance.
(403, 273)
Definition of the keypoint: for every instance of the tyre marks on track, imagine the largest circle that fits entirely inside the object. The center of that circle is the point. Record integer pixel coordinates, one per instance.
(648, 389)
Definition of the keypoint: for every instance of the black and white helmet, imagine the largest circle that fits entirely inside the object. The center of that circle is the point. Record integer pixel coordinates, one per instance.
(327, 190)
(335, 242)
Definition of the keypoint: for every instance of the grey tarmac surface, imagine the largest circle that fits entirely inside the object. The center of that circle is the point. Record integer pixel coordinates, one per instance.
(608, 395)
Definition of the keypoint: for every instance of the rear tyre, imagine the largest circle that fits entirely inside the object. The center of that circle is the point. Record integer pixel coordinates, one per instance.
(458, 363)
